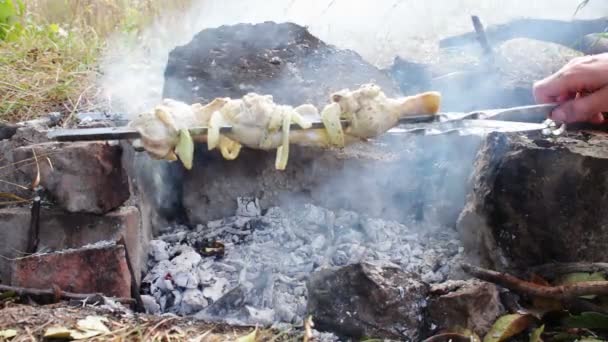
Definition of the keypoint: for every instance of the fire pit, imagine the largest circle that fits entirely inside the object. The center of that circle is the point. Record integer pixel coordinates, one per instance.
(260, 275)
(364, 239)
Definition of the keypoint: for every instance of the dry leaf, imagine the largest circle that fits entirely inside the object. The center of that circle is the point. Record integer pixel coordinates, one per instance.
(50, 164)
(536, 334)
(94, 323)
(8, 333)
(81, 335)
(473, 337)
(587, 320)
(58, 332)
(508, 326)
(249, 338)
(308, 325)
(449, 337)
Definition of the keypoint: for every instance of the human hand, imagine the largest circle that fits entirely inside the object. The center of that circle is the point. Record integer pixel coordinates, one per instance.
(581, 88)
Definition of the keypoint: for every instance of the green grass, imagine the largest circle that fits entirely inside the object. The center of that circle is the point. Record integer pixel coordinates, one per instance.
(49, 57)
(47, 69)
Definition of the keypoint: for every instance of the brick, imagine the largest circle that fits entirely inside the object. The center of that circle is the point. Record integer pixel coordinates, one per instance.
(83, 177)
(60, 230)
(96, 269)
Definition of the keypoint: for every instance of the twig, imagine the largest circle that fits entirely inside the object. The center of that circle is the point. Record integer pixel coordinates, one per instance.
(525, 287)
(556, 269)
(481, 36)
(14, 184)
(139, 303)
(51, 293)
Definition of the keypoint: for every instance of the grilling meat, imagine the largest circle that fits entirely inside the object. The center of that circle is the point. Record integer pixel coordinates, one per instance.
(370, 113)
(259, 123)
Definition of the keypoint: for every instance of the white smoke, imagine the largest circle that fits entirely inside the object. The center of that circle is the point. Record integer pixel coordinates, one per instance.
(378, 30)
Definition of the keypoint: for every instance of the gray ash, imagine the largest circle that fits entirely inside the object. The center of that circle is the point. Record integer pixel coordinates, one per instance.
(260, 276)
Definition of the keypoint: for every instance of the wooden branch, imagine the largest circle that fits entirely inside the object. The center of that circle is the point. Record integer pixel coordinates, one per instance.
(51, 293)
(556, 269)
(515, 284)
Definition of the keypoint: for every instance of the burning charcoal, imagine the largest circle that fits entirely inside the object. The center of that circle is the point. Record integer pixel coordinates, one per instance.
(264, 316)
(216, 290)
(232, 301)
(177, 237)
(159, 250)
(268, 269)
(248, 207)
(193, 301)
(433, 277)
(215, 224)
(186, 280)
(150, 304)
(208, 248)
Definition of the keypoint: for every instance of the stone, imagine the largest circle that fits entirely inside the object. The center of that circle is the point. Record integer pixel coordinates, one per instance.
(472, 304)
(594, 43)
(60, 230)
(395, 177)
(100, 268)
(82, 177)
(536, 200)
(283, 60)
(367, 300)
(7, 131)
(469, 81)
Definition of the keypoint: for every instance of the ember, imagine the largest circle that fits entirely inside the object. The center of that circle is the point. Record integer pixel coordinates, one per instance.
(268, 258)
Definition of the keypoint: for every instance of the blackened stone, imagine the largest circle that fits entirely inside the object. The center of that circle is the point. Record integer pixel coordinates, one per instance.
(283, 60)
(533, 203)
(367, 301)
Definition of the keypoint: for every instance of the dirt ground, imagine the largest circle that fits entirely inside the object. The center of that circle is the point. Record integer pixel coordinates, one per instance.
(32, 322)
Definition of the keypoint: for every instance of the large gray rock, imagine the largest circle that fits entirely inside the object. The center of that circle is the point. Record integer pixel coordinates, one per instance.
(536, 201)
(366, 300)
(283, 60)
(472, 304)
(396, 177)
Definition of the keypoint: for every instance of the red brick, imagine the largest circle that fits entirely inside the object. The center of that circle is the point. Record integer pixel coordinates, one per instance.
(85, 177)
(60, 230)
(95, 269)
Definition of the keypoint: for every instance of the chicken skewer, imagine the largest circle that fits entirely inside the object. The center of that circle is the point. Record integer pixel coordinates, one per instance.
(255, 121)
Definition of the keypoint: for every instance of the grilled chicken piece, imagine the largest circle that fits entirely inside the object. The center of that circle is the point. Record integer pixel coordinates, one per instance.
(164, 131)
(371, 113)
(259, 123)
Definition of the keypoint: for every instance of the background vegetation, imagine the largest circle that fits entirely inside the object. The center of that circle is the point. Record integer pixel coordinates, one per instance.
(49, 50)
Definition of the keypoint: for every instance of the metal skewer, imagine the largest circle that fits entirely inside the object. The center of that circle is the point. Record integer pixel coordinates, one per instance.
(524, 114)
(120, 133)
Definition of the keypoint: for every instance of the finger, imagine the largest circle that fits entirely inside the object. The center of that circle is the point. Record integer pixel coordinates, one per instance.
(579, 75)
(583, 109)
